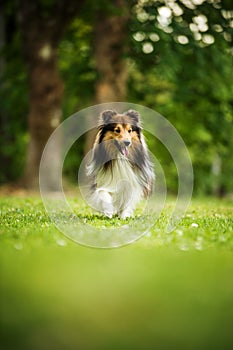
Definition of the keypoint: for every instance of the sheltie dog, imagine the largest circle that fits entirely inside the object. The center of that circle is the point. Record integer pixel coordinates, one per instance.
(120, 170)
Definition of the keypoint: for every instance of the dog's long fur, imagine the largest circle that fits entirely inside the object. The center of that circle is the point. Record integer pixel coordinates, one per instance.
(120, 170)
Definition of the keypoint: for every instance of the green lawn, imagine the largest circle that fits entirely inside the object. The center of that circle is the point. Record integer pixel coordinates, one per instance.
(166, 291)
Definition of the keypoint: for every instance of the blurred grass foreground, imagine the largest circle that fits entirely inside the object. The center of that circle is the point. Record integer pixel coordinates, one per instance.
(166, 291)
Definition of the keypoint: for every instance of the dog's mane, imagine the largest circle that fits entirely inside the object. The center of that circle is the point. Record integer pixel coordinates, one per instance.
(138, 157)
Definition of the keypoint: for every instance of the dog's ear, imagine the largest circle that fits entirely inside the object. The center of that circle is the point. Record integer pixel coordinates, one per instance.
(106, 116)
(134, 115)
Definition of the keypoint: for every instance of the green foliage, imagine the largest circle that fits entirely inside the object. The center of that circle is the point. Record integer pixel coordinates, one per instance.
(77, 67)
(13, 111)
(183, 55)
(180, 64)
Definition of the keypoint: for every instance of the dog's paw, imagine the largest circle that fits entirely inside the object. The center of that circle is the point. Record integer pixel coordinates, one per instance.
(108, 209)
(126, 214)
(109, 214)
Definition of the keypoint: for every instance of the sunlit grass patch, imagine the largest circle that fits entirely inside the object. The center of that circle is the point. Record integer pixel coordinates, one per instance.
(207, 223)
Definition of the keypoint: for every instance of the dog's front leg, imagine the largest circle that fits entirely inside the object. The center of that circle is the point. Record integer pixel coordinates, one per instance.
(106, 203)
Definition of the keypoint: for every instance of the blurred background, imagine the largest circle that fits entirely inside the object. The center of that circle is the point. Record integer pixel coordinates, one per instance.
(58, 57)
(174, 56)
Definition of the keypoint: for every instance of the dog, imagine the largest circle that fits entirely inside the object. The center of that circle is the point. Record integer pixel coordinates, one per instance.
(120, 170)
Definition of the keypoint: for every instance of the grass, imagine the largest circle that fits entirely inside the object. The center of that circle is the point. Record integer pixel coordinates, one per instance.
(207, 223)
(165, 291)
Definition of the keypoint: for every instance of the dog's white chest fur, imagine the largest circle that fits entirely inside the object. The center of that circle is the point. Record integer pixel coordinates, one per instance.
(118, 189)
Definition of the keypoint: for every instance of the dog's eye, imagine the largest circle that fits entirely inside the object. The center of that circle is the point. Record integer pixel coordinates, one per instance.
(117, 131)
(130, 130)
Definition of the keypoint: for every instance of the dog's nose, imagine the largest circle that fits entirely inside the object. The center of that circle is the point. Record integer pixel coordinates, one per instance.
(127, 143)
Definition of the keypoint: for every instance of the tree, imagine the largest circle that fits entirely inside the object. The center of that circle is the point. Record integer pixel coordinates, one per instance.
(184, 50)
(110, 42)
(42, 25)
(179, 54)
(13, 97)
(110, 47)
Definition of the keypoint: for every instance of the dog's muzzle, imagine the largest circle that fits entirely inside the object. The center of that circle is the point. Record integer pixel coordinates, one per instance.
(123, 148)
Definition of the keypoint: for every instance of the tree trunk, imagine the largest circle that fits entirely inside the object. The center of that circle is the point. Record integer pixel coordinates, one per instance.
(46, 92)
(109, 51)
(41, 30)
(110, 48)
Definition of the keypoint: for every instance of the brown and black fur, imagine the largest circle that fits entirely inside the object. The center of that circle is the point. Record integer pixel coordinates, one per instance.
(119, 139)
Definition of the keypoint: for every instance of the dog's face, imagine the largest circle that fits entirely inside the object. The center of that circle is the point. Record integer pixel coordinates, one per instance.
(119, 131)
(122, 136)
